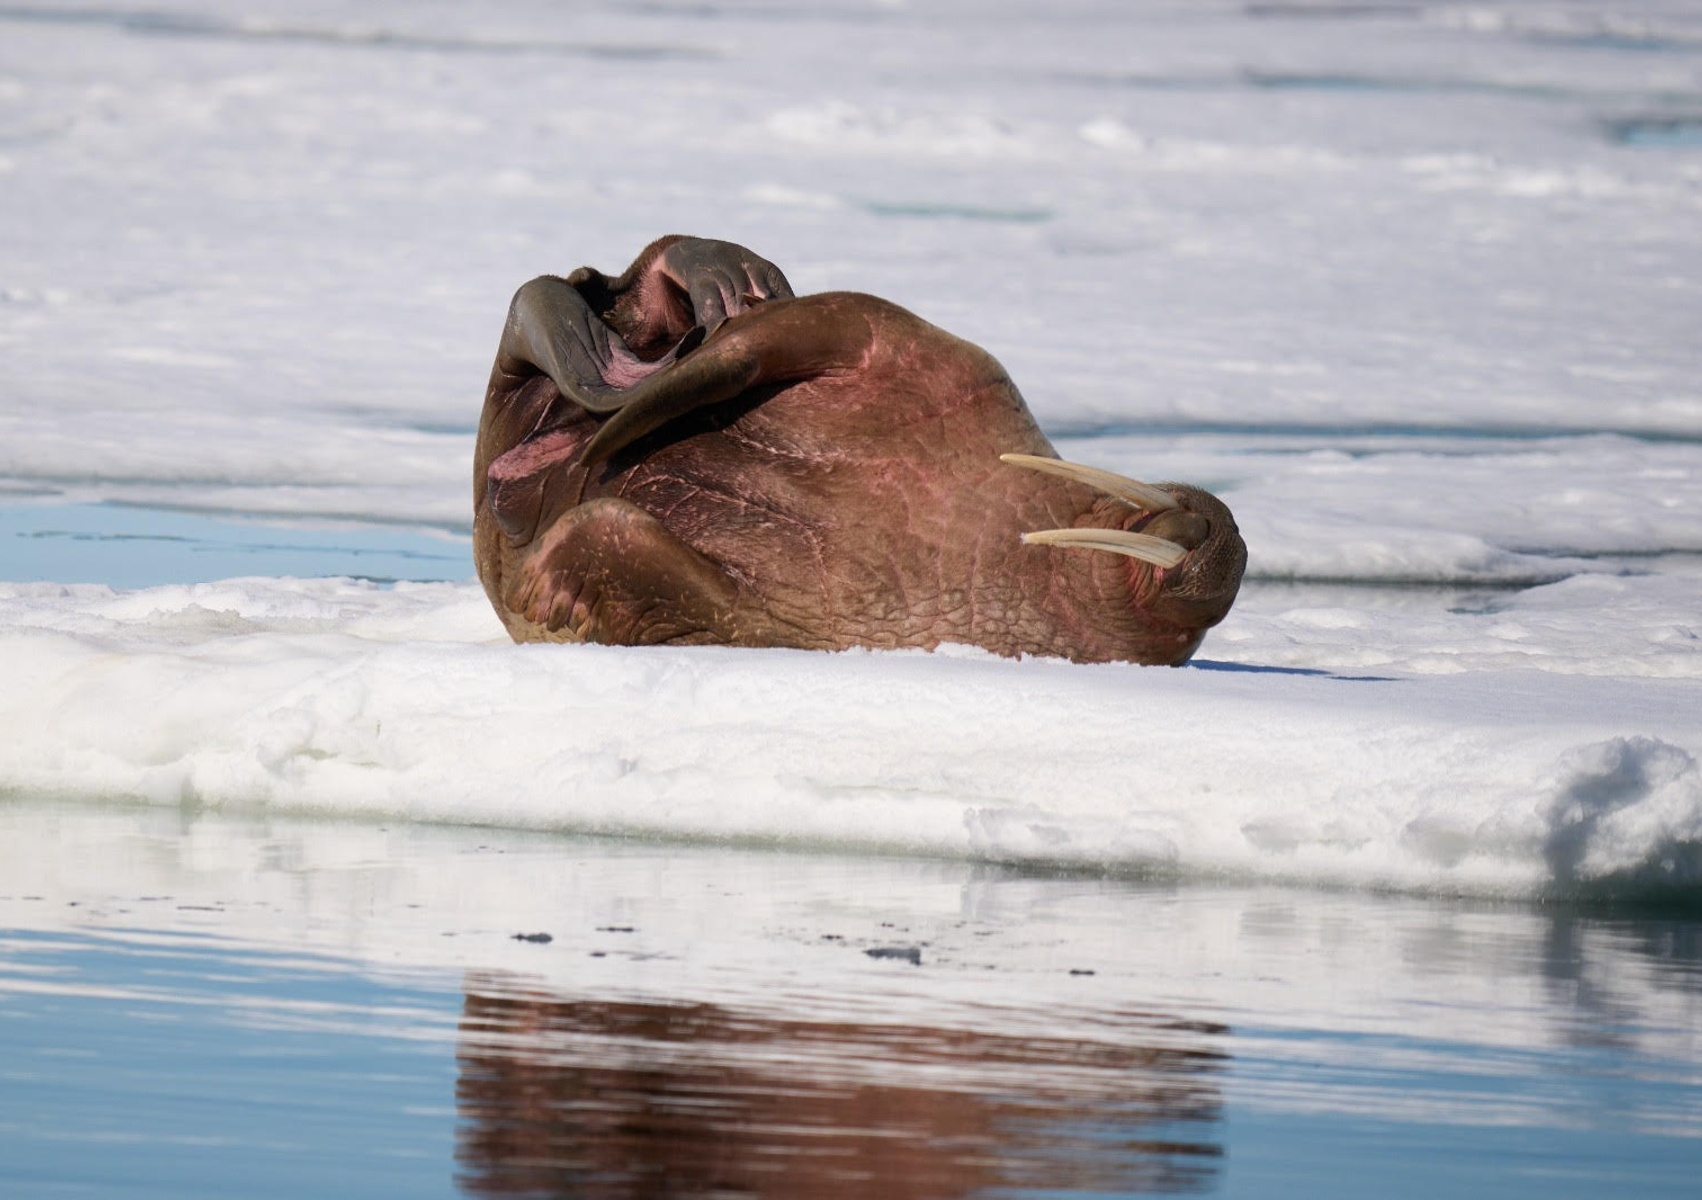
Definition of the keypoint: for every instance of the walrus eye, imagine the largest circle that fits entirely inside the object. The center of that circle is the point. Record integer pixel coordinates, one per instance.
(1131, 491)
(1143, 546)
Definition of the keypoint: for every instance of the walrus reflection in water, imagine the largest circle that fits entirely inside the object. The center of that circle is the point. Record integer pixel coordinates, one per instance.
(615, 1099)
(690, 454)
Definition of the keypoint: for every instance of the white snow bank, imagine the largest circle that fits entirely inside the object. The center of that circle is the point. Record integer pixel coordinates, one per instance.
(330, 696)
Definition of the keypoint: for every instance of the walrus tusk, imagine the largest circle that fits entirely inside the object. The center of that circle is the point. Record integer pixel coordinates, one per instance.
(1132, 491)
(1155, 550)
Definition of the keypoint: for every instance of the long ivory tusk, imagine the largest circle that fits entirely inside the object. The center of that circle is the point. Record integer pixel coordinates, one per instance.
(1132, 491)
(1155, 550)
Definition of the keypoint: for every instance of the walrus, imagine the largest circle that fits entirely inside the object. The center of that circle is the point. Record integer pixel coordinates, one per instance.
(690, 454)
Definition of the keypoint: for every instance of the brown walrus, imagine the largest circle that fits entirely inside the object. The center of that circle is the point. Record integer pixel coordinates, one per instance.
(690, 454)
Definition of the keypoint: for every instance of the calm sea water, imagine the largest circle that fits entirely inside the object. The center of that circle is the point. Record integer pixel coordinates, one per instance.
(131, 547)
(196, 1003)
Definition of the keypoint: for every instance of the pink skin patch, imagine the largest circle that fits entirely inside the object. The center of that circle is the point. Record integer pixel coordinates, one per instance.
(624, 369)
(517, 478)
(536, 454)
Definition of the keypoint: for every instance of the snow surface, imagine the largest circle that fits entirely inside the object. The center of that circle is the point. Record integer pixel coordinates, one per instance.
(1414, 287)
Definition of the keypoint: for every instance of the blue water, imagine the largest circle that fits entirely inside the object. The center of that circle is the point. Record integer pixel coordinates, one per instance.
(1591, 1138)
(1671, 133)
(132, 547)
(212, 1070)
(137, 1061)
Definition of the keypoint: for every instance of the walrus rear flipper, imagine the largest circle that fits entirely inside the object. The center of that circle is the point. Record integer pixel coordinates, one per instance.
(607, 571)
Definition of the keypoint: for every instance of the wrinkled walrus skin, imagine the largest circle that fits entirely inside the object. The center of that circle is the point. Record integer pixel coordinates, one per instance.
(688, 454)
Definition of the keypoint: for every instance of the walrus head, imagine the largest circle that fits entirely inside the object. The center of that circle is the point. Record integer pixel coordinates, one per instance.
(1186, 556)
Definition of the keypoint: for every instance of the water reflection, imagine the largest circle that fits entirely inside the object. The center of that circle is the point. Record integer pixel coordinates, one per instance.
(575, 1097)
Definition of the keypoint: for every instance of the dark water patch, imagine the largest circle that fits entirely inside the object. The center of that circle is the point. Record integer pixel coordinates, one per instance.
(1371, 429)
(958, 212)
(1203, 664)
(1260, 79)
(852, 13)
(160, 23)
(12, 491)
(1320, 81)
(1331, 12)
(128, 547)
(368, 416)
(836, 11)
(1425, 599)
(1657, 133)
(444, 428)
(1634, 562)
(1633, 43)
(1511, 582)
(1599, 35)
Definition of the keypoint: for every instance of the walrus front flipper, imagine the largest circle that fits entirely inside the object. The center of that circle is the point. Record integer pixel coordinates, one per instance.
(678, 283)
(597, 337)
(779, 342)
(607, 571)
(551, 329)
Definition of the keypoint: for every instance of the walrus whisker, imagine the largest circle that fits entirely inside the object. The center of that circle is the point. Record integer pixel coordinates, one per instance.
(1131, 491)
(1155, 550)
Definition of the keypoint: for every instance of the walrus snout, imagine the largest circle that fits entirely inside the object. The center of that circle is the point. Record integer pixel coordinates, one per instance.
(1189, 556)
(1143, 498)
(1201, 590)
